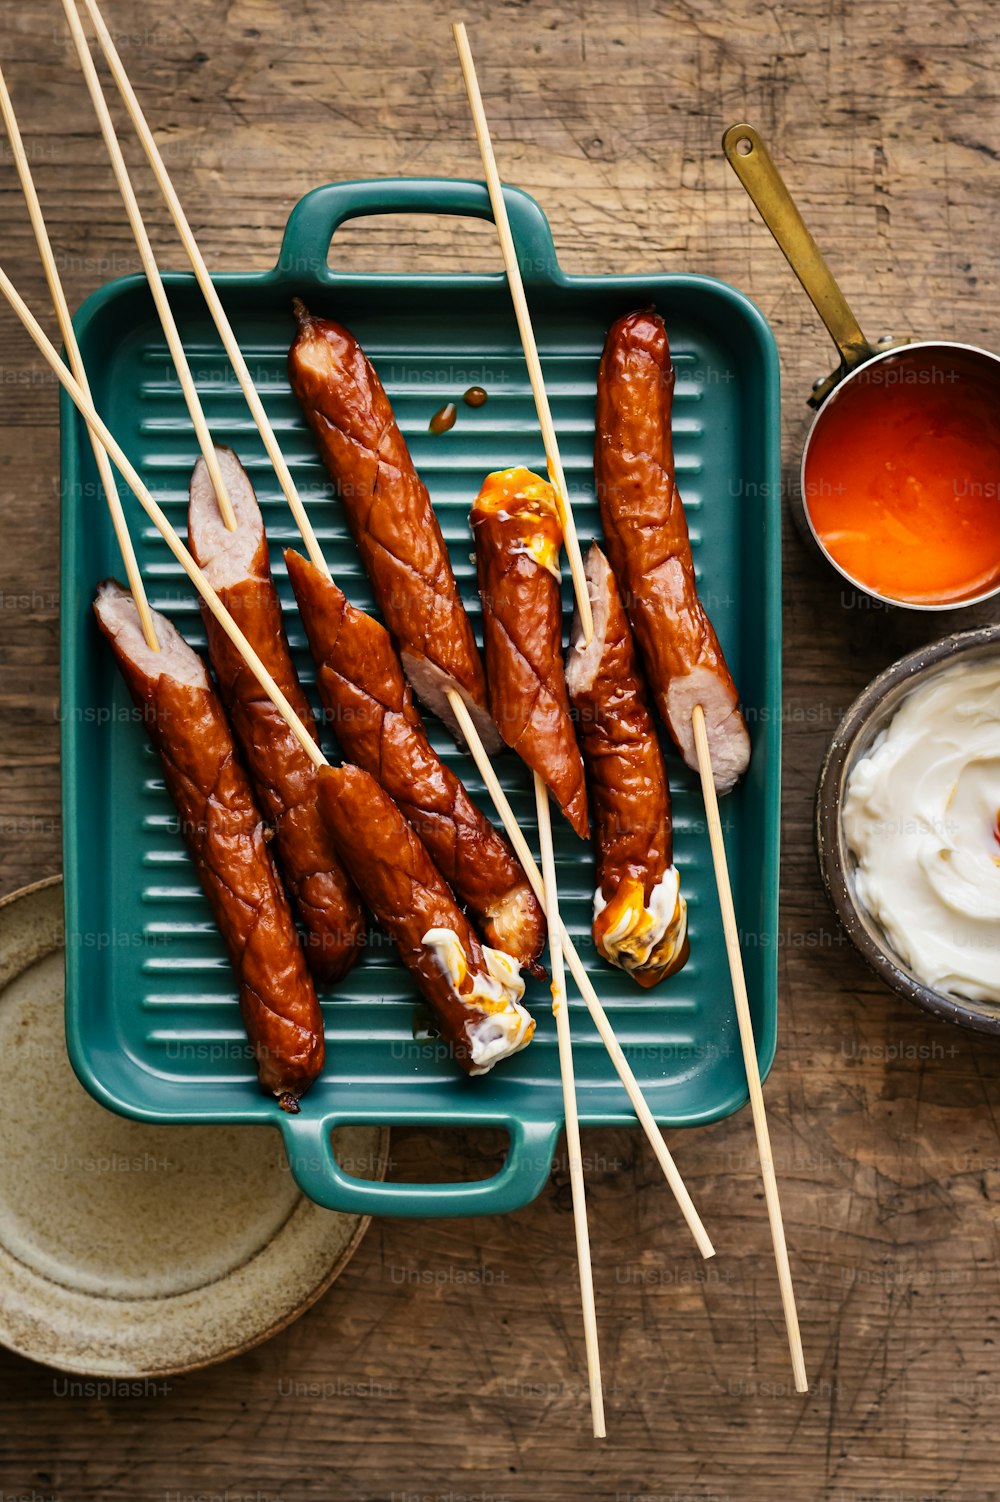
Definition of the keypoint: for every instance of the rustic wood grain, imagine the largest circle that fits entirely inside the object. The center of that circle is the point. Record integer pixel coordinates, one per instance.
(447, 1362)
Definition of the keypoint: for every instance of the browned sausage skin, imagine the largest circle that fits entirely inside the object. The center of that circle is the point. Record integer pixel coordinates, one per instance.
(475, 991)
(391, 517)
(515, 522)
(238, 567)
(227, 839)
(640, 918)
(374, 718)
(647, 541)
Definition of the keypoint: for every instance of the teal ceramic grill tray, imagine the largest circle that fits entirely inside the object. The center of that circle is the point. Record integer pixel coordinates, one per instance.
(152, 1017)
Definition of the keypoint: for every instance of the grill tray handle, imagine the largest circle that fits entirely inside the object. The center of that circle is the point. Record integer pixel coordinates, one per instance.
(316, 218)
(525, 1172)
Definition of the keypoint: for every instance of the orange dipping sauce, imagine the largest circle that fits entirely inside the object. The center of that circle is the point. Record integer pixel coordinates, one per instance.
(902, 476)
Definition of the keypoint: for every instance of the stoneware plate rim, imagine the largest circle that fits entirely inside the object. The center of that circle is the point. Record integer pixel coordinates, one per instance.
(18, 1320)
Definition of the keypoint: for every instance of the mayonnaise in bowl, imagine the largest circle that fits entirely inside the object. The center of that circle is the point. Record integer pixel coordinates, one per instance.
(920, 817)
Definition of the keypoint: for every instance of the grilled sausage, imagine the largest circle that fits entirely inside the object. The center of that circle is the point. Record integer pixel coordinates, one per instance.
(518, 535)
(650, 552)
(227, 839)
(378, 726)
(640, 918)
(474, 991)
(238, 568)
(391, 517)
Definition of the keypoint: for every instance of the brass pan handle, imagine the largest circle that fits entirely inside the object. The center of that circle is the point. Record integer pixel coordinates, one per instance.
(751, 161)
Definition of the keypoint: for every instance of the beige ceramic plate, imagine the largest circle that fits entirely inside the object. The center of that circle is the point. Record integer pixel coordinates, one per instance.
(132, 1250)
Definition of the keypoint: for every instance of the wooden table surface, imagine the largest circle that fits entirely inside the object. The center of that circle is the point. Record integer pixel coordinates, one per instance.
(463, 1339)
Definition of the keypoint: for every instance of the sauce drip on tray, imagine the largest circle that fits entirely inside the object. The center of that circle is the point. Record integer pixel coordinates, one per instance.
(443, 419)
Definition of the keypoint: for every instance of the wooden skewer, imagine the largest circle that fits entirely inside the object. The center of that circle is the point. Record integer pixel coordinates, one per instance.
(556, 475)
(105, 444)
(73, 350)
(191, 397)
(238, 362)
(601, 1020)
(160, 520)
(557, 934)
(204, 280)
(698, 719)
(516, 284)
(561, 1013)
(749, 1048)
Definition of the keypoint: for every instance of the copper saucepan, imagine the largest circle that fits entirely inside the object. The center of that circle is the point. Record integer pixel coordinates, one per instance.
(871, 376)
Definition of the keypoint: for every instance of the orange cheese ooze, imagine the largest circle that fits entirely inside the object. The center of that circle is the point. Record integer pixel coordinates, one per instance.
(520, 494)
(648, 941)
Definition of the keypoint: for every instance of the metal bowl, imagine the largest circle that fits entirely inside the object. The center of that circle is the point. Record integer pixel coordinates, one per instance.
(867, 717)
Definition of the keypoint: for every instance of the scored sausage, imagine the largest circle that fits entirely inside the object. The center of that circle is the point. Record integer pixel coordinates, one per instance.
(640, 917)
(475, 991)
(391, 517)
(238, 567)
(647, 541)
(515, 522)
(371, 709)
(227, 840)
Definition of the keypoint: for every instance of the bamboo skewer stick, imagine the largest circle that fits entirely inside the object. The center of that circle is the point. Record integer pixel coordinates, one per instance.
(76, 361)
(162, 522)
(156, 287)
(75, 384)
(316, 555)
(516, 284)
(557, 935)
(561, 1012)
(732, 936)
(204, 280)
(551, 893)
(600, 1017)
(698, 719)
(238, 362)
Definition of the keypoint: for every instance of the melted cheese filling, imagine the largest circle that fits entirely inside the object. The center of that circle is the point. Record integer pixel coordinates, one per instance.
(544, 549)
(520, 493)
(635, 936)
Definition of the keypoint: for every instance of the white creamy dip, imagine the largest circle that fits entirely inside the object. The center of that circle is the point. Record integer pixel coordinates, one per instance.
(504, 1026)
(642, 937)
(920, 817)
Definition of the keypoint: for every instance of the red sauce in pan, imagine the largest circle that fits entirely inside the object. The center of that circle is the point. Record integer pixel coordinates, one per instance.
(902, 478)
